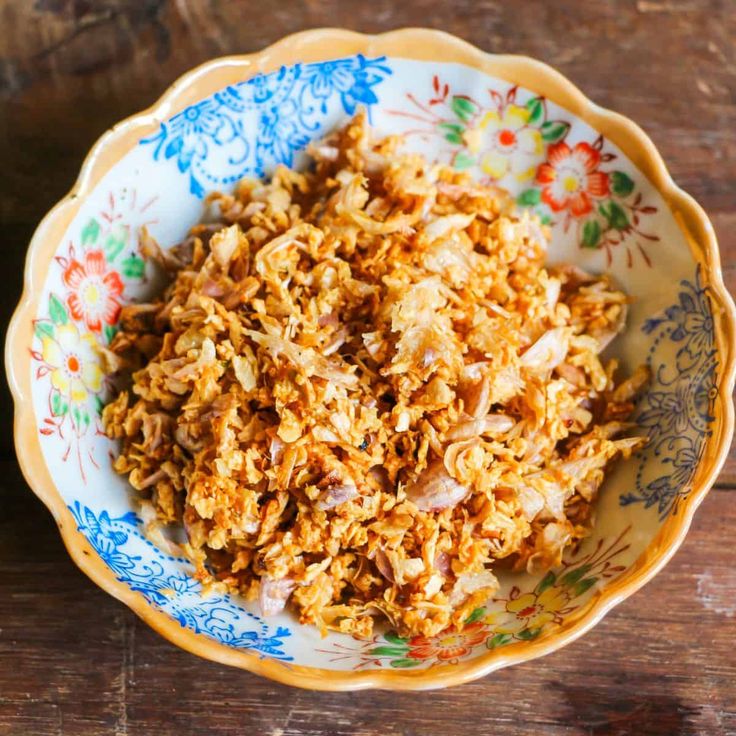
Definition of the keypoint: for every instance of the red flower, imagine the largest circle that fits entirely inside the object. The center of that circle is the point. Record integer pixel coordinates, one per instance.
(450, 644)
(95, 290)
(570, 178)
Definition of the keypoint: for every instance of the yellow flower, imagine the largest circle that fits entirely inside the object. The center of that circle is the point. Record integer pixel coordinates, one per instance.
(74, 361)
(507, 143)
(537, 610)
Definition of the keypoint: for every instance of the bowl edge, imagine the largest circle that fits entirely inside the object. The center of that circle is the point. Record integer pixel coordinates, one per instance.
(420, 43)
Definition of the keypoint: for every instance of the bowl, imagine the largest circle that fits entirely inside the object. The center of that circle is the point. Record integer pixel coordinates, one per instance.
(593, 175)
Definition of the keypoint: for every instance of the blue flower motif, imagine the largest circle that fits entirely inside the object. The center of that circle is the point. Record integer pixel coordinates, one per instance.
(678, 409)
(183, 584)
(172, 590)
(248, 127)
(279, 134)
(667, 410)
(690, 320)
(664, 491)
(352, 82)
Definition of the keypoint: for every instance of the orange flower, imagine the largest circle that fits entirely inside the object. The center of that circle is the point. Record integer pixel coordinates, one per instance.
(450, 644)
(94, 298)
(570, 178)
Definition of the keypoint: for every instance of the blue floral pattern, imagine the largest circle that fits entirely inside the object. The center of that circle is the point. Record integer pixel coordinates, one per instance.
(247, 128)
(677, 410)
(169, 586)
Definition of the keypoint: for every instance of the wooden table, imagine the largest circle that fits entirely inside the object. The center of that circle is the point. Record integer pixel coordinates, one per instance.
(74, 661)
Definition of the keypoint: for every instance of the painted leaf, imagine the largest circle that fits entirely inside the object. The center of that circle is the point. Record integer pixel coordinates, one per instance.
(109, 332)
(389, 651)
(528, 634)
(536, 110)
(394, 638)
(43, 329)
(498, 640)
(90, 232)
(547, 581)
(554, 130)
(478, 613)
(591, 234)
(452, 132)
(614, 213)
(529, 197)
(114, 244)
(573, 576)
(133, 267)
(621, 184)
(57, 311)
(99, 404)
(584, 585)
(463, 108)
(463, 160)
(59, 405)
(403, 663)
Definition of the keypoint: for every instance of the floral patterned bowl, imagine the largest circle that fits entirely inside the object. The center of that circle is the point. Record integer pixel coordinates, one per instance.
(592, 174)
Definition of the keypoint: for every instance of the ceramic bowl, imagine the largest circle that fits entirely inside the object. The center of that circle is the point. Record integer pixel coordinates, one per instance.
(592, 174)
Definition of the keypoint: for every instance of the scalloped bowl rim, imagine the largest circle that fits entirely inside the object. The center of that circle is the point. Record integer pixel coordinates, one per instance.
(419, 44)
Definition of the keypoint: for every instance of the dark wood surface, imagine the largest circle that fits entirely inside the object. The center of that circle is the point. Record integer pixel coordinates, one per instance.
(74, 661)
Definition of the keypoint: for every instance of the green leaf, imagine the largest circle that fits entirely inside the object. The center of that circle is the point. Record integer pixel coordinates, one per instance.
(547, 581)
(554, 130)
(133, 267)
(527, 634)
(452, 132)
(529, 197)
(614, 213)
(591, 233)
(498, 640)
(86, 419)
(76, 416)
(536, 110)
(404, 662)
(394, 638)
(621, 184)
(57, 311)
(475, 615)
(463, 160)
(452, 127)
(90, 232)
(389, 651)
(109, 332)
(545, 220)
(43, 329)
(59, 406)
(584, 585)
(114, 244)
(573, 576)
(464, 109)
(99, 404)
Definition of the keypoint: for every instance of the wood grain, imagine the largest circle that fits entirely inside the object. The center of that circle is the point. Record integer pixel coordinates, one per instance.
(77, 662)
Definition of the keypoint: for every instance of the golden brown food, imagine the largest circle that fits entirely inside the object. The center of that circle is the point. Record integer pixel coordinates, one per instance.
(362, 389)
